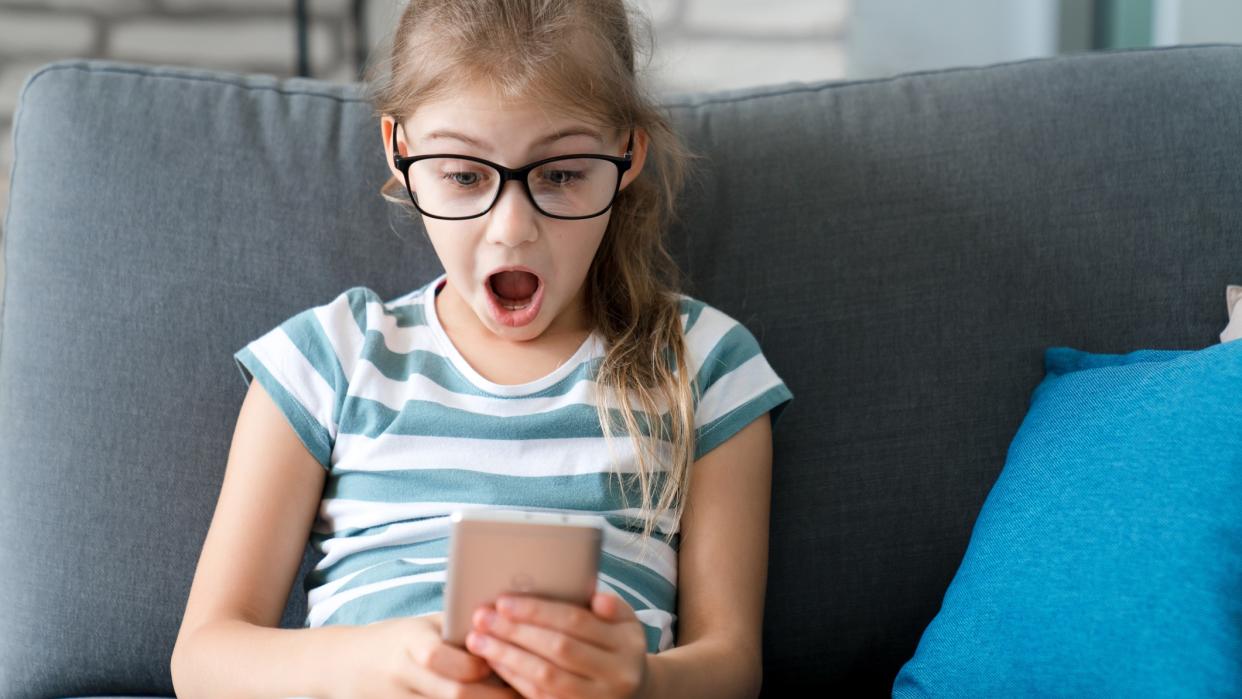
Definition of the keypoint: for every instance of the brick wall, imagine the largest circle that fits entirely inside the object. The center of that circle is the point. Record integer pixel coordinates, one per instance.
(700, 44)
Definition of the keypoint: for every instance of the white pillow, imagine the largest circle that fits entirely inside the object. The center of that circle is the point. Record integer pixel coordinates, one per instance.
(1233, 299)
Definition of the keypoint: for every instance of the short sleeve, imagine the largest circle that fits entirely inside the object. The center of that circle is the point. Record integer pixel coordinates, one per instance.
(305, 363)
(735, 382)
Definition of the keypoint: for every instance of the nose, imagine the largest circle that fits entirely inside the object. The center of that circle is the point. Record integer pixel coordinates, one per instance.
(513, 220)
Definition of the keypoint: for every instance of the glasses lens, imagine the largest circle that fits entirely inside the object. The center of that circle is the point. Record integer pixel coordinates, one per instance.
(459, 188)
(451, 187)
(574, 186)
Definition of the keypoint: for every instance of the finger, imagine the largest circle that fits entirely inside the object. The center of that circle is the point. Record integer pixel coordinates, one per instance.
(427, 683)
(547, 676)
(451, 662)
(521, 684)
(612, 607)
(566, 651)
(570, 619)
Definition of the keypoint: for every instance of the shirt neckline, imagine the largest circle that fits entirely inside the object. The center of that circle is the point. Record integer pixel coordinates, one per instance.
(589, 348)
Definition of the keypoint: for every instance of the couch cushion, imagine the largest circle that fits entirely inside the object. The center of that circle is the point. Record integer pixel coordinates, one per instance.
(1107, 557)
(902, 249)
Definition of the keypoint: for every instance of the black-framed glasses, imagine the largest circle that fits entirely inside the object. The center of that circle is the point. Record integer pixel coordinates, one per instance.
(455, 187)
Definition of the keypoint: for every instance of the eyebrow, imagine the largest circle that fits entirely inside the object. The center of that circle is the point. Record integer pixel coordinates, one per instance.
(550, 138)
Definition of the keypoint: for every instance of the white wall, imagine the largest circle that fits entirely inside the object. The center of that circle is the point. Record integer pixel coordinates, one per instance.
(1197, 22)
(887, 37)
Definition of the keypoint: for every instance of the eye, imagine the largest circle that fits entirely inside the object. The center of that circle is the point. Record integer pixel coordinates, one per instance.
(463, 178)
(562, 177)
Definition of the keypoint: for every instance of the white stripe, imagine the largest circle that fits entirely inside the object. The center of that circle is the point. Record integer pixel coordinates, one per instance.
(406, 299)
(749, 379)
(346, 339)
(657, 618)
(287, 363)
(565, 456)
(372, 384)
(659, 556)
(707, 332)
(400, 339)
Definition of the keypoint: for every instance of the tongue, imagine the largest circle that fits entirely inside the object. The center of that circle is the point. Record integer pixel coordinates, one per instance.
(514, 285)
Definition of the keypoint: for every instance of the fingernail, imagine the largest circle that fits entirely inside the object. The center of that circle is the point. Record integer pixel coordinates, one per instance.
(480, 643)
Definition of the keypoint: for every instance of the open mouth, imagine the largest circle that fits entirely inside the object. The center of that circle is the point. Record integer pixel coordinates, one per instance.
(514, 289)
(515, 297)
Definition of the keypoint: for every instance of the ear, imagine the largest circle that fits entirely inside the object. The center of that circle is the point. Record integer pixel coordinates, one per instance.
(638, 159)
(387, 124)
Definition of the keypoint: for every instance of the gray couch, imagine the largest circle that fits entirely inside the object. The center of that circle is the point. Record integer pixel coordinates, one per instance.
(904, 249)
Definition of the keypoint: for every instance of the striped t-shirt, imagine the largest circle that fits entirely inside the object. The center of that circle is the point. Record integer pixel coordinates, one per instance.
(408, 432)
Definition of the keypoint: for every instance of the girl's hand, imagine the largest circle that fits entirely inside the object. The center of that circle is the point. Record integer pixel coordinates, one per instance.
(405, 657)
(547, 649)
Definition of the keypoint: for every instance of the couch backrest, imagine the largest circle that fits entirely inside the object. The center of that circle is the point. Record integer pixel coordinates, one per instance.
(903, 248)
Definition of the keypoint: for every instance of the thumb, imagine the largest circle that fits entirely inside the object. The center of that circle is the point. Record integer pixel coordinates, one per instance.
(611, 607)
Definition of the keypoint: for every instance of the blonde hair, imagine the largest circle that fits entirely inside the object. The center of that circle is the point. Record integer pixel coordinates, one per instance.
(580, 56)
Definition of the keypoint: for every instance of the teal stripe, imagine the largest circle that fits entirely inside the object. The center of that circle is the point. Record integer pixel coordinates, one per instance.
(387, 570)
(308, 429)
(400, 366)
(406, 315)
(653, 637)
(357, 297)
(589, 492)
(719, 430)
(431, 419)
(308, 335)
(693, 307)
(735, 347)
(642, 579)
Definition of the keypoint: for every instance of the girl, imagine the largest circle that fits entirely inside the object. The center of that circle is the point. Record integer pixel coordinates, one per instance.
(545, 177)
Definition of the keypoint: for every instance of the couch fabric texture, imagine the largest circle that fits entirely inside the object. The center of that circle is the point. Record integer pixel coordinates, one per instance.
(904, 249)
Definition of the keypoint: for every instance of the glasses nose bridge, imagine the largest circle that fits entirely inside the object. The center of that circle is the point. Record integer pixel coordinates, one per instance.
(507, 173)
(517, 174)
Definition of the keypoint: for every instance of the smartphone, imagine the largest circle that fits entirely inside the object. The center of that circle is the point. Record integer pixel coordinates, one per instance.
(492, 551)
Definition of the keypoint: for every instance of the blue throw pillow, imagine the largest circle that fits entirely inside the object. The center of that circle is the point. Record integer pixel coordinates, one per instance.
(1106, 560)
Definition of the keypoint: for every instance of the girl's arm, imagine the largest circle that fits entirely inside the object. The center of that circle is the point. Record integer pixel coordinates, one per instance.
(721, 573)
(228, 644)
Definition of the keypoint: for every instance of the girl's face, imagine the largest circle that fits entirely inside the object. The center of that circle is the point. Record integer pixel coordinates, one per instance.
(475, 121)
